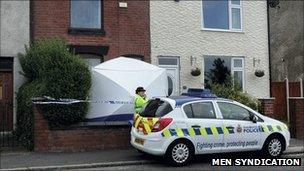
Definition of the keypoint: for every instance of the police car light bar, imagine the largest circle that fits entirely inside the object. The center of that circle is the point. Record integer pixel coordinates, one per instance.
(197, 92)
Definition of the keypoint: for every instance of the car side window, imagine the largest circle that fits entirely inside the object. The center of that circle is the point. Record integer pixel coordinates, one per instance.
(200, 110)
(232, 111)
(188, 110)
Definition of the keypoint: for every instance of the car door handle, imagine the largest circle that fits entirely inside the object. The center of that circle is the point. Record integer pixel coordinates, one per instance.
(195, 126)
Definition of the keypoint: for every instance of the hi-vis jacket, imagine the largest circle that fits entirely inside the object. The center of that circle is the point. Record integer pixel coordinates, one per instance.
(139, 102)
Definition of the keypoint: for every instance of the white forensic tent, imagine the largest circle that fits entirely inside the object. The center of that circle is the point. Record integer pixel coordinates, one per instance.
(113, 87)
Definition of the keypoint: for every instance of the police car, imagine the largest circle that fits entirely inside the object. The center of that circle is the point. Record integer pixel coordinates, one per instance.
(200, 123)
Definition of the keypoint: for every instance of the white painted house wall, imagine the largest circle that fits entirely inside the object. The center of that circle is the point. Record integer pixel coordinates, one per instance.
(15, 33)
(176, 30)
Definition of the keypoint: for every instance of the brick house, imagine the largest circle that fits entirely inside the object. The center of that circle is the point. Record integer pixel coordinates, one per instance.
(99, 30)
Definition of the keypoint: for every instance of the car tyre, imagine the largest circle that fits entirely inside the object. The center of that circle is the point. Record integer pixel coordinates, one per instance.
(273, 147)
(179, 153)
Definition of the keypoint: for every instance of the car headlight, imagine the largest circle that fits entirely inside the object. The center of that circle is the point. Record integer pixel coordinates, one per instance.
(286, 127)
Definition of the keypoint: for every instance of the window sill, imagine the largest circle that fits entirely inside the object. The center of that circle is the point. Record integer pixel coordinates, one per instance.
(222, 30)
(86, 31)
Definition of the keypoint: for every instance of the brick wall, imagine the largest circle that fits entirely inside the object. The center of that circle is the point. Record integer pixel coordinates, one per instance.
(127, 30)
(296, 111)
(268, 107)
(78, 138)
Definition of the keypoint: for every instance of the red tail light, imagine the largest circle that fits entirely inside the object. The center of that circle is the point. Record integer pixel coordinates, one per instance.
(161, 124)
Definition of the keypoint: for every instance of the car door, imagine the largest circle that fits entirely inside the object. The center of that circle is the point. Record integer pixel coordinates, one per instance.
(204, 127)
(240, 132)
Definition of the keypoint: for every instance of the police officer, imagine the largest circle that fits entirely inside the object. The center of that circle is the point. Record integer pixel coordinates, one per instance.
(140, 99)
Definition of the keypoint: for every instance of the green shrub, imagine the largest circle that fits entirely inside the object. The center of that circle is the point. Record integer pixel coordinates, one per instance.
(229, 91)
(24, 130)
(53, 71)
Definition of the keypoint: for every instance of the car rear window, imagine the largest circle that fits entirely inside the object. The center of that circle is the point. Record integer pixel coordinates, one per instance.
(156, 108)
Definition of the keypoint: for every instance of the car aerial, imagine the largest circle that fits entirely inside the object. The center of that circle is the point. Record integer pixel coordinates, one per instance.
(179, 127)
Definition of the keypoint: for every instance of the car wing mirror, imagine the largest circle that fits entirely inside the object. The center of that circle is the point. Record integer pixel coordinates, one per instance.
(254, 118)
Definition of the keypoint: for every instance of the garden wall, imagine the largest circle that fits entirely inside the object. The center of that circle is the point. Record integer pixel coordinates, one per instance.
(78, 138)
(267, 107)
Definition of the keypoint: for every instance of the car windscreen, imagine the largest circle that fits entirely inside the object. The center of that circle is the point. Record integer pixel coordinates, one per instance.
(155, 108)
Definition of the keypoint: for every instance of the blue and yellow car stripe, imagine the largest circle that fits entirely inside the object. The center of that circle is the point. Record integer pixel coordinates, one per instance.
(214, 131)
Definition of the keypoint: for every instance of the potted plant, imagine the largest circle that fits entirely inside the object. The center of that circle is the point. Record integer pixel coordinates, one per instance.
(195, 72)
(259, 73)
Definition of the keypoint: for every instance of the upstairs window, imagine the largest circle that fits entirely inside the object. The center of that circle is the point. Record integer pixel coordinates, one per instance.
(222, 14)
(86, 14)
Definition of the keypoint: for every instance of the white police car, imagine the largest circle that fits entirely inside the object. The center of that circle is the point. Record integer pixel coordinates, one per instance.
(179, 127)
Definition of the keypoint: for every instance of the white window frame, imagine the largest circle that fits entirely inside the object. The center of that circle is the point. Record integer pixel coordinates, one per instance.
(242, 69)
(230, 14)
(233, 68)
(230, 6)
(168, 57)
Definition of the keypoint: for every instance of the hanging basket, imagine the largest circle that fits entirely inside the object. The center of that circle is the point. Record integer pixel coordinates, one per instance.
(195, 72)
(259, 73)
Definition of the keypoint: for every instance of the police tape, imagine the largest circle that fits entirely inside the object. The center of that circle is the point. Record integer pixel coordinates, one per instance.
(51, 100)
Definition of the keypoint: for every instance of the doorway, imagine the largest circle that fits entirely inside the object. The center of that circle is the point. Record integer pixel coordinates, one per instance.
(6, 94)
(171, 64)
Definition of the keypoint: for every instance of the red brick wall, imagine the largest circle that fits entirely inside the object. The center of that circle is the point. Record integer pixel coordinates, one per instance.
(296, 111)
(268, 107)
(127, 29)
(78, 138)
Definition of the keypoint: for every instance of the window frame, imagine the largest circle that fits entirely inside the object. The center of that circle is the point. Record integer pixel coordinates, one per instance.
(8, 60)
(169, 57)
(232, 69)
(85, 57)
(240, 7)
(230, 6)
(242, 69)
(205, 101)
(87, 31)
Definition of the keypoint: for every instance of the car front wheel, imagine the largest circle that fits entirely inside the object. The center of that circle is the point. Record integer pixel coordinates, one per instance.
(179, 153)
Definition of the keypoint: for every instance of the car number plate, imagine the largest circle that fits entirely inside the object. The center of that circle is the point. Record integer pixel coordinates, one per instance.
(139, 141)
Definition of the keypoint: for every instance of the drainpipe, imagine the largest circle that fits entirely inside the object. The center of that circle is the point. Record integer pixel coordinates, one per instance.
(287, 99)
(301, 86)
(269, 52)
(31, 22)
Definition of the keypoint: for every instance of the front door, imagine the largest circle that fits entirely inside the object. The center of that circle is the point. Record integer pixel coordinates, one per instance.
(6, 94)
(171, 64)
(6, 101)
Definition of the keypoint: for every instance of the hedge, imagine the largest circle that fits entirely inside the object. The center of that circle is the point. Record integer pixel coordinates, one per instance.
(53, 71)
(230, 91)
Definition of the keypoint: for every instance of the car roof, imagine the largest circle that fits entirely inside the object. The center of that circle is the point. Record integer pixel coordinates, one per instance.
(180, 100)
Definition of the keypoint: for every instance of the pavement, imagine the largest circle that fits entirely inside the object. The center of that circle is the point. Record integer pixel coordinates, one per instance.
(93, 159)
